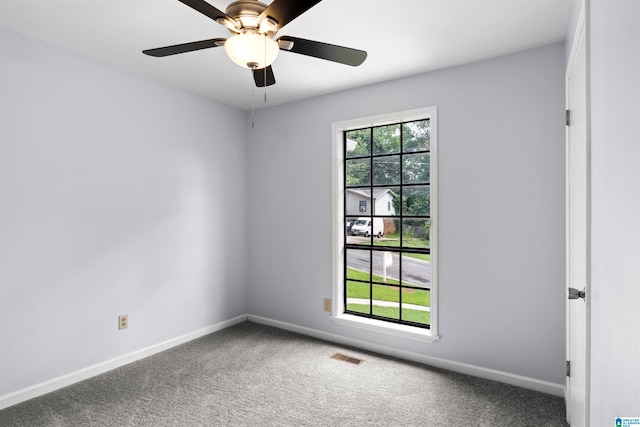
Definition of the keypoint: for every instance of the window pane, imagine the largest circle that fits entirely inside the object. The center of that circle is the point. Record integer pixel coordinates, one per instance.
(416, 168)
(361, 229)
(357, 201)
(385, 301)
(415, 233)
(420, 299)
(417, 316)
(358, 264)
(416, 136)
(386, 170)
(348, 224)
(358, 296)
(385, 267)
(358, 142)
(416, 269)
(358, 172)
(391, 233)
(416, 201)
(386, 201)
(386, 139)
(416, 305)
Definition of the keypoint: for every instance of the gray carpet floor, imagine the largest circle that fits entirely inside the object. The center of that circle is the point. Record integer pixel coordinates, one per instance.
(256, 375)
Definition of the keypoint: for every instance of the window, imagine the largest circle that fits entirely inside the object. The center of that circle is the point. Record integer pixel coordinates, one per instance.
(363, 205)
(385, 257)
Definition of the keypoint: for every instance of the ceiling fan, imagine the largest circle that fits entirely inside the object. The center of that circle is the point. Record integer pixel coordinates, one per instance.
(252, 45)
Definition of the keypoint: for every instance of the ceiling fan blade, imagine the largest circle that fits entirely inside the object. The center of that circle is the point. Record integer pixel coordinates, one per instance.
(330, 52)
(285, 11)
(207, 10)
(260, 74)
(184, 47)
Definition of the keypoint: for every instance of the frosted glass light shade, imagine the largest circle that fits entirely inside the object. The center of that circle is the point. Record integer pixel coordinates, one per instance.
(251, 50)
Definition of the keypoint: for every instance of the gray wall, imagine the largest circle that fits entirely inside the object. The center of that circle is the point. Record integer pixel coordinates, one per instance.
(614, 34)
(119, 195)
(501, 209)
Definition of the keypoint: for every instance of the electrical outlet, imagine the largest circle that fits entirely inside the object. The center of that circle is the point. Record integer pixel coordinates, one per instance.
(123, 321)
(327, 304)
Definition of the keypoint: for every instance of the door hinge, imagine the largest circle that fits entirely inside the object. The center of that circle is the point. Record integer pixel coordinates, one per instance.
(575, 294)
(567, 368)
(567, 117)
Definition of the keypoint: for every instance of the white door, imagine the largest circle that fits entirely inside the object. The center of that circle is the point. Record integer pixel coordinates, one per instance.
(577, 186)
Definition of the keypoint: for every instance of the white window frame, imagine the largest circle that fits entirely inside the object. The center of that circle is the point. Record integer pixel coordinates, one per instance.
(338, 164)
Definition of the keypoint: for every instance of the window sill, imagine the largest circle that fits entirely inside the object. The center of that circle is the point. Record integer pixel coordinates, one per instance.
(388, 328)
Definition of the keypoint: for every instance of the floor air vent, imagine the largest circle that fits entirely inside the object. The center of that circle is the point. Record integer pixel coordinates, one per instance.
(345, 358)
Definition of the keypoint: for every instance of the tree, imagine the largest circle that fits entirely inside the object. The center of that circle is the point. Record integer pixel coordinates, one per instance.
(416, 136)
(374, 157)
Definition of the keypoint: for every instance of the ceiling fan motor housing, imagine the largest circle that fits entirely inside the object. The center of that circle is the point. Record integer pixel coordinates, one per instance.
(246, 13)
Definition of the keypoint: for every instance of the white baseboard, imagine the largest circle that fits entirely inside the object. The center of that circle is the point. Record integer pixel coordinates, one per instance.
(16, 397)
(463, 368)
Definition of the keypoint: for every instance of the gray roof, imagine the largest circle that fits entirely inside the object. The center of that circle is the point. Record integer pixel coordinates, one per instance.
(366, 192)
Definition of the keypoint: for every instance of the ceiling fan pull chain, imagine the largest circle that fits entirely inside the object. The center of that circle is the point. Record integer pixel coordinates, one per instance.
(252, 108)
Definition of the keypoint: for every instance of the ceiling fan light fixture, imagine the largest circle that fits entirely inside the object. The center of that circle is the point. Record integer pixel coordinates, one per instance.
(251, 50)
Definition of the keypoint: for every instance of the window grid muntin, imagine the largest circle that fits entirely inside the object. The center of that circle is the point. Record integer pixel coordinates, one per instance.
(398, 219)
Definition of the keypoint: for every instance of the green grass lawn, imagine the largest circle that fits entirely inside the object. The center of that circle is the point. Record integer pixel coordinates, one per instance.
(387, 292)
(416, 316)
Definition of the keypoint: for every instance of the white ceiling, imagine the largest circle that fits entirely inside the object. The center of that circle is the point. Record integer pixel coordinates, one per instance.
(402, 37)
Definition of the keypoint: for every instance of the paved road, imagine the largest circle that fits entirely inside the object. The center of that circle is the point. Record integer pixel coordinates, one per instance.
(414, 271)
